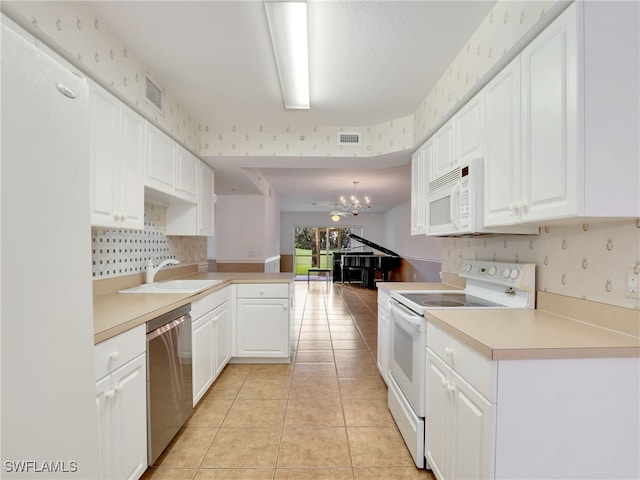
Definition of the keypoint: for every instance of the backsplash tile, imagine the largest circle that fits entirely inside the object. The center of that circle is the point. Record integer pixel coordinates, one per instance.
(117, 253)
(585, 261)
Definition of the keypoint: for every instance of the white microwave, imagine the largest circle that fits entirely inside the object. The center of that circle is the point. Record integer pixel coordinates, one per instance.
(454, 201)
(455, 204)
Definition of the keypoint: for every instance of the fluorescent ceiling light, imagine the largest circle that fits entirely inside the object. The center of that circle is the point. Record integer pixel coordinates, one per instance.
(288, 26)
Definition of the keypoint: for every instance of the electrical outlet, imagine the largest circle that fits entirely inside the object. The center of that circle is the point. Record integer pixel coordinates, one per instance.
(632, 283)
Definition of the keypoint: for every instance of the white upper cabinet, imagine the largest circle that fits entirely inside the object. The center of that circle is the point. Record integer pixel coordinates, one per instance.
(160, 164)
(566, 145)
(206, 202)
(195, 219)
(171, 169)
(117, 155)
(468, 134)
(502, 146)
(459, 140)
(419, 179)
(548, 112)
(443, 158)
(187, 166)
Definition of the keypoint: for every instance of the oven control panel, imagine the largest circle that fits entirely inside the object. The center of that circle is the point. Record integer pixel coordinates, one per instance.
(516, 275)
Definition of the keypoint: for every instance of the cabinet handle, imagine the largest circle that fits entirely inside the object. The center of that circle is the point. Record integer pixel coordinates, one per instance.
(110, 394)
(451, 388)
(123, 217)
(113, 356)
(512, 207)
(118, 388)
(261, 292)
(448, 351)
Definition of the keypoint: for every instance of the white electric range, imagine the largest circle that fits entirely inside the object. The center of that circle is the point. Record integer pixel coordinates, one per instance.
(494, 285)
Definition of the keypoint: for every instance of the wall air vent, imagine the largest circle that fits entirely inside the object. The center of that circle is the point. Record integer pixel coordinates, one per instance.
(349, 138)
(153, 94)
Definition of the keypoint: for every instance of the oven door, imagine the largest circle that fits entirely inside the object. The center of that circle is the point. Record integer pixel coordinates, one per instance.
(407, 356)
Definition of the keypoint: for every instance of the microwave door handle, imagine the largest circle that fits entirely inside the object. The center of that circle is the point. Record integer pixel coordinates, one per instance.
(455, 206)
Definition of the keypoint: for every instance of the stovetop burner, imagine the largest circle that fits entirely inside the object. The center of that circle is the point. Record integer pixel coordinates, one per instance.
(443, 300)
(488, 285)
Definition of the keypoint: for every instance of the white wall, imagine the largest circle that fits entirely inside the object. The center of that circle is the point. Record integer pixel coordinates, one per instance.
(240, 228)
(397, 228)
(372, 226)
(272, 224)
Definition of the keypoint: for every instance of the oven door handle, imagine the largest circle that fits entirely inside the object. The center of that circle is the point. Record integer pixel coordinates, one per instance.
(405, 314)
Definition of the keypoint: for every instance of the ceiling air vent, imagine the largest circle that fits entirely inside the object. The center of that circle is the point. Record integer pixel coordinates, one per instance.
(349, 138)
(153, 94)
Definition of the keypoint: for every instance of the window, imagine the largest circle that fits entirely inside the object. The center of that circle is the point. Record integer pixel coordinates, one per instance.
(314, 246)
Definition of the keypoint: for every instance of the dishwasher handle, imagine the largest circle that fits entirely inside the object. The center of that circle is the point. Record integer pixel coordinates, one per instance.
(168, 317)
(167, 327)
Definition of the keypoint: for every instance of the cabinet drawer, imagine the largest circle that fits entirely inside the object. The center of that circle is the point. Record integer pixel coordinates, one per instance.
(263, 290)
(115, 352)
(211, 301)
(474, 367)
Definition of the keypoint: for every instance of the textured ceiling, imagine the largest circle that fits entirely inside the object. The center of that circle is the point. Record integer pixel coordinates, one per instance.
(370, 62)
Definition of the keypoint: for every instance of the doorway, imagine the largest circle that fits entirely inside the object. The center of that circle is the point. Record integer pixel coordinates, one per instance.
(314, 246)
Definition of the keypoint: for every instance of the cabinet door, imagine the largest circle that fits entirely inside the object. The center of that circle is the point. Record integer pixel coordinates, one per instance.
(206, 202)
(418, 190)
(262, 327)
(443, 155)
(473, 424)
(130, 169)
(549, 96)
(383, 339)
(104, 111)
(187, 167)
(468, 131)
(129, 419)
(103, 407)
(437, 416)
(502, 146)
(202, 345)
(160, 153)
(222, 327)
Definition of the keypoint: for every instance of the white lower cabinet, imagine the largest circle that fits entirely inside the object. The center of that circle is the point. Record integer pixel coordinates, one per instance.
(264, 321)
(531, 418)
(211, 339)
(459, 433)
(203, 352)
(121, 403)
(383, 333)
(222, 331)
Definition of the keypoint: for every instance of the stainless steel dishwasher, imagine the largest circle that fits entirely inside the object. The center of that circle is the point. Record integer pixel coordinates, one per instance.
(169, 383)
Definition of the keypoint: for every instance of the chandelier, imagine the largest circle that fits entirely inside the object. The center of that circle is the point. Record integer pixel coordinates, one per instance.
(355, 207)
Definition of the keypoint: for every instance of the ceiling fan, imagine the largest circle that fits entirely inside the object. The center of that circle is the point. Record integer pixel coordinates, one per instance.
(336, 214)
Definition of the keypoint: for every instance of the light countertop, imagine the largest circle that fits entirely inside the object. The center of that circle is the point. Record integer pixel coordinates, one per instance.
(115, 313)
(532, 334)
(560, 327)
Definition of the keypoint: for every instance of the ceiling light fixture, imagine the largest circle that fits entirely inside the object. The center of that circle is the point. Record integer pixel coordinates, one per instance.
(335, 216)
(288, 27)
(355, 206)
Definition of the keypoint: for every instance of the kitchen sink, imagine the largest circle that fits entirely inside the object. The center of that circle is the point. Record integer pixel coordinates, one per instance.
(173, 286)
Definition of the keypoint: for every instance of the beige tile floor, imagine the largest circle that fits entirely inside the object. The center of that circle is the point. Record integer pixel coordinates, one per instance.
(322, 417)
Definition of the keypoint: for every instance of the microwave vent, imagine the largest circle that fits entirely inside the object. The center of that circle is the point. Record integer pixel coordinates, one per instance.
(349, 138)
(445, 179)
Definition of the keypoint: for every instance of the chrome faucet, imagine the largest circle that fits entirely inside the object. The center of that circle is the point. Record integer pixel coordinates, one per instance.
(151, 270)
